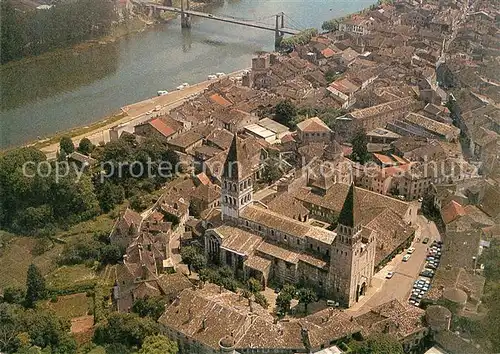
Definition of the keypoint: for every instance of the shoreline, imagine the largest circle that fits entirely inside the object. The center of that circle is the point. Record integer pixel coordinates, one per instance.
(121, 117)
(128, 116)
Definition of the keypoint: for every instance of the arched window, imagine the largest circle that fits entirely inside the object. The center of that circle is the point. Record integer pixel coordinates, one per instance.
(225, 199)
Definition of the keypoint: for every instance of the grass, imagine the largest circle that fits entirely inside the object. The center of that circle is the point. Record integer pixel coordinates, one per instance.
(69, 276)
(102, 223)
(16, 257)
(70, 306)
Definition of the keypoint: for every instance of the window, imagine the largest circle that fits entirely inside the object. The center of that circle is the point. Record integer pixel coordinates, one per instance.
(284, 237)
(298, 242)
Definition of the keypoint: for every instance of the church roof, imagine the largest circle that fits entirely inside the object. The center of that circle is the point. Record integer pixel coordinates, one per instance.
(350, 215)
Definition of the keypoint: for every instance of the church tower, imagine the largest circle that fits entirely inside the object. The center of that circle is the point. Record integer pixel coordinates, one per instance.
(237, 182)
(353, 254)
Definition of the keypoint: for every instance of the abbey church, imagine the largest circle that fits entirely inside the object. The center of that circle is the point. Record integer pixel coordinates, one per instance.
(257, 240)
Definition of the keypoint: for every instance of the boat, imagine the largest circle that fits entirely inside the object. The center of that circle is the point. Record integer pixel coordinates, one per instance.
(212, 77)
(162, 92)
(220, 74)
(180, 87)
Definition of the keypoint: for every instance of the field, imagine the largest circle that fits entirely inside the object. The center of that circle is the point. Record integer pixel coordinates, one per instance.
(16, 254)
(16, 257)
(70, 306)
(67, 277)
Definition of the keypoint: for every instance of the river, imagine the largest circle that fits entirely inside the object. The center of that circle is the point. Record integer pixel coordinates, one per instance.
(53, 93)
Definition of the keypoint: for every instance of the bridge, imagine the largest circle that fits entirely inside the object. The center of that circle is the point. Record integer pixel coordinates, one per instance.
(278, 28)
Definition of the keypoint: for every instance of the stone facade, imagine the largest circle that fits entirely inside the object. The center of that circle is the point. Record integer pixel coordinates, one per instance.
(258, 242)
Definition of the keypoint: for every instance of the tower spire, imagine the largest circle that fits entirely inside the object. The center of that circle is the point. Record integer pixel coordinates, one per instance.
(350, 214)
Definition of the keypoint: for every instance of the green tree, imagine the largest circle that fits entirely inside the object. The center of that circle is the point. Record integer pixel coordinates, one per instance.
(379, 343)
(158, 344)
(188, 255)
(306, 296)
(149, 306)
(35, 286)
(254, 286)
(13, 295)
(125, 328)
(261, 300)
(331, 75)
(285, 112)
(283, 302)
(85, 146)
(247, 294)
(109, 195)
(272, 171)
(331, 25)
(359, 147)
(66, 145)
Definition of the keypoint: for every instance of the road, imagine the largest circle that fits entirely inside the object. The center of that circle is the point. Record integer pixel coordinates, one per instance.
(405, 273)
(137, 113)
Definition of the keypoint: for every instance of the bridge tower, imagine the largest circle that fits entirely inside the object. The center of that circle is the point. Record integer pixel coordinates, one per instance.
(280, 23)
(185, 18)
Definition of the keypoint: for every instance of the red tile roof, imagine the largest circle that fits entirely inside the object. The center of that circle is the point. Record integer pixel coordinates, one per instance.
(202, 177)
(327, 52)
(452, 211)
(220, 100)
(163, 128)
(386, 160)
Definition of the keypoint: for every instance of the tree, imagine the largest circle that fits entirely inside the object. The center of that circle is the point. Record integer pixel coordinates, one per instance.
(110, 254)
(85, 146)
(283, 302)
(261, 300)
(13, 295)
(125, 328)
(198, 262)
(158, 344)
(254, 286)
(35, 286)
(285, 112)
(306, 296)
(331, 25)
(359, 147)
(379, 343)
(247, 294)
(187, 255)
(149, 306)
(109, 195)
(66, 145)
(272, 171)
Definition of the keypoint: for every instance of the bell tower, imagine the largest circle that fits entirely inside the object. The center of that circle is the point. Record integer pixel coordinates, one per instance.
(353, 253)
(237, 181)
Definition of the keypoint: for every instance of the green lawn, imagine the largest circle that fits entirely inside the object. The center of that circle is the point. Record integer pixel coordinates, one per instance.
(67, 277)
(70, 306)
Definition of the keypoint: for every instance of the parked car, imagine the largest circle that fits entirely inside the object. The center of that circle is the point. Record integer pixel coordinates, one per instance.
(389, 275)
(410, 250)
(406, 257)
(426, 240)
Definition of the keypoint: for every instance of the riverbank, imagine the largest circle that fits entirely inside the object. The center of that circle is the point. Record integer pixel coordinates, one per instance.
(126, 119)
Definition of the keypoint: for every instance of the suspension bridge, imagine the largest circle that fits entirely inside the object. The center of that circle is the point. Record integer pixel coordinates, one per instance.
(186, 13)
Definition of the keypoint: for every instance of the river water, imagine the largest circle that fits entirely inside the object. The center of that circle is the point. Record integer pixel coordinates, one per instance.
(52, 93)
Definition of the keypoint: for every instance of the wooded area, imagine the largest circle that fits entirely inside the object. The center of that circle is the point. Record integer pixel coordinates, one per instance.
(26, 33)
